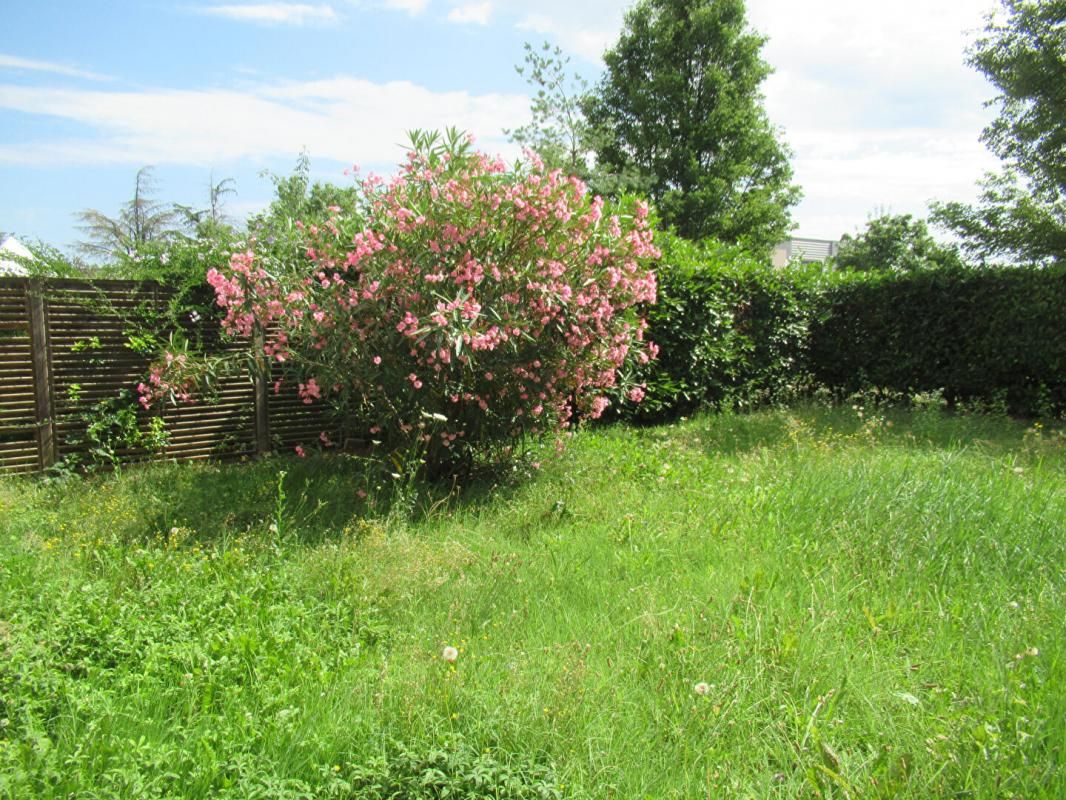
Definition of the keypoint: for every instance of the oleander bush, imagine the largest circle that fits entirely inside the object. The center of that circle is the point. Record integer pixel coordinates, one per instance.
(463, 308)
(455, 310)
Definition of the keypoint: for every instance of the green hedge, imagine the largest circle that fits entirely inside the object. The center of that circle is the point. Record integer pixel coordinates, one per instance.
(987, 336)
(733, 331)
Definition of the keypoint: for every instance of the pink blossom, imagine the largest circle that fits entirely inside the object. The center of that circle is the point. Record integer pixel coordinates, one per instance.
(310, 391)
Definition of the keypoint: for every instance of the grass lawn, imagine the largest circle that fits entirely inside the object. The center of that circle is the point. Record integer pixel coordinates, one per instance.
(783, 604)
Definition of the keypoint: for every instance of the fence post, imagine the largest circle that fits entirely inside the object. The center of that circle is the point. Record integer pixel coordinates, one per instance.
(42, 374)
(261, 376)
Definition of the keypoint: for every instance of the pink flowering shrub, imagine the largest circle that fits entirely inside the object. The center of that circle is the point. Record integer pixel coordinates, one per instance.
(460, 307)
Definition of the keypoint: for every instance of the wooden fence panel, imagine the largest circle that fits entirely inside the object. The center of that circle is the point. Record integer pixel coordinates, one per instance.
(18, 414)
(221, 427)
(292, 422)
(68, 345)
(90, 327)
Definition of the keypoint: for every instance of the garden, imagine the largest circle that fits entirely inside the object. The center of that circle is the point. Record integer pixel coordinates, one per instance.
(579, 497)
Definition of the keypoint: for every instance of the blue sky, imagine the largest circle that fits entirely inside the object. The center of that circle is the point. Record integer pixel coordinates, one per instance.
(874, 99)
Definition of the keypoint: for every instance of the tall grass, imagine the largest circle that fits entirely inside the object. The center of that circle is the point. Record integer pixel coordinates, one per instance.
(784, 604)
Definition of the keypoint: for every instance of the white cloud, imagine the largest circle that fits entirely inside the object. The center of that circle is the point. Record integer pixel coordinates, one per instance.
(879, 43)
(273, 13)
(15, 62)
(877, 102)
(345, 119)
(476, 13)
(538, 23)
(848, 175)
(584, 29)
(412, 7)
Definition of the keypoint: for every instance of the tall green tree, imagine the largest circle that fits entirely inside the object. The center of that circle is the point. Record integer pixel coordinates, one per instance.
(141, 220)
(558, 131)
(210, 220)
(897, 242)
(680, 106)
(298, 197)
(1021, 213)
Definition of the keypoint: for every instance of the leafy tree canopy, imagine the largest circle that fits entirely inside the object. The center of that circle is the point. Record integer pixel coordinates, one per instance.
(141, 221)
(210, 221)
(558, 131)
(1022, 210)
(894, 242)
(297, 197)
(680, 108)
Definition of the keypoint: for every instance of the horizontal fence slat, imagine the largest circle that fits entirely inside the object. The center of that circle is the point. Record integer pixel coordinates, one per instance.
(16, 447)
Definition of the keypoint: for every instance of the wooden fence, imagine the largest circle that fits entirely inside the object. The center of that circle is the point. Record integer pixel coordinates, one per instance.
(66, 345)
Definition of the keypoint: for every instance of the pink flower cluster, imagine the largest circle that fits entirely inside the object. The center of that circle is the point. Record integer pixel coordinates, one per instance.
(170, 379)
(247, 293)
(463, 304)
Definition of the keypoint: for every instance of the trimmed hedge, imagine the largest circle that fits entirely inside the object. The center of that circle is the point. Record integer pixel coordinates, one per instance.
(987, 336)
(731, 329)
(735, 332)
